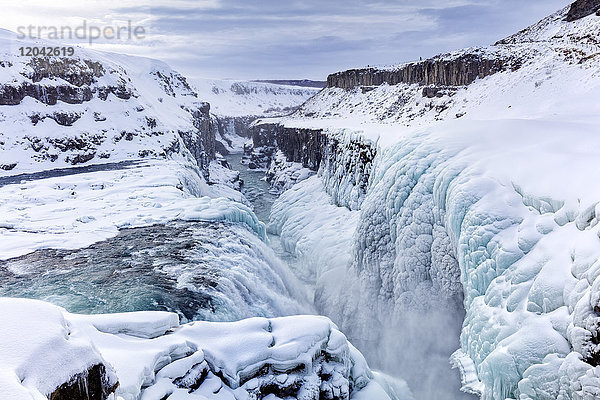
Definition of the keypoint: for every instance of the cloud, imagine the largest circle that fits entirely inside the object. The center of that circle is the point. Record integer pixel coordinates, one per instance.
(293, 39)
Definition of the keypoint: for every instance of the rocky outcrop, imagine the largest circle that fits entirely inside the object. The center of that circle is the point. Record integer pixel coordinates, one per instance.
(582, 8)
(76, 72)
(92, 384)
(345, 164)
(444, 70)
(303, 146)
(72, 81)
(201, 142)
(11, 95)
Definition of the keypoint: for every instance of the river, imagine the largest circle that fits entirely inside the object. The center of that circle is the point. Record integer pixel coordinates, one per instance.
(215, 271)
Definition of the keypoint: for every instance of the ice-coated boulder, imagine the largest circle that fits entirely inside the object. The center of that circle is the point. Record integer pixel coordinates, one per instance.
(43, 355)
(48, 351)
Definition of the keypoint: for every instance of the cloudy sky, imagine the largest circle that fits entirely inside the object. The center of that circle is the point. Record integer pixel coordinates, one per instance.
(278, 39)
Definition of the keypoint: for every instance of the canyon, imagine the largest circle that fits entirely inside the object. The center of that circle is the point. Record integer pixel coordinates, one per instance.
(418, 231)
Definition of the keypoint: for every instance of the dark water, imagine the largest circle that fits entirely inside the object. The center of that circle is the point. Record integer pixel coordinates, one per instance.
(9, 180)
(120, 274)
(201, 270)
(255, 188)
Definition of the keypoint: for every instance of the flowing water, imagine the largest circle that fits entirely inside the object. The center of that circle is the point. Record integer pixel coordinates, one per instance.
(214, 271)
(201, 270)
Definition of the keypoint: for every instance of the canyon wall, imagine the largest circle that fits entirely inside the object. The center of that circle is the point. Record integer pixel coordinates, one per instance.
(73, 110)
(456, 70)
(343, 162)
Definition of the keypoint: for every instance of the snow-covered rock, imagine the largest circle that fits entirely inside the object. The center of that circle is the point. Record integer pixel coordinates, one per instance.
(43, 354)
(95, 108)
(153, 357)
(284, 174)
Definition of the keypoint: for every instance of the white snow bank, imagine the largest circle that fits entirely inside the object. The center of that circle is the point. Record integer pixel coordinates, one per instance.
(40, 350)
(318, 233)
(304, 355)
(142, 324)
(75, 211)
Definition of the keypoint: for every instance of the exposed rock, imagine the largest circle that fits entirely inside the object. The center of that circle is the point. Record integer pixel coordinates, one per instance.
(438, 91)
(8, 167)
(90, 385)
(61, 118)
(299, 145)
(76, 72)
(80, 158)
(582, 8)
(11, 95)
(228, 127)
(201, 143)
(443, 70)
(347, 163)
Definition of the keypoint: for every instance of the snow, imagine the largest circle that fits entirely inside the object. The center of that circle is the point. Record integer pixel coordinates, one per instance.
(41, 350)
(486, 193)
(77, 210)
(317, 232)
(234, 98)
(284, 174)
(214, 360)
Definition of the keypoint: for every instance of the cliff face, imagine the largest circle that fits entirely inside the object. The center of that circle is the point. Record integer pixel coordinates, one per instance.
(582, 8)
(303, 146)
(80, 78)
(461, 69)
(201, 141)
(230, 131)
(343, 163)
(93, 107)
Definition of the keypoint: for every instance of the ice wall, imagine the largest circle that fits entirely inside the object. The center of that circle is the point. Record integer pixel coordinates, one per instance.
(442, 228)
(386, 273)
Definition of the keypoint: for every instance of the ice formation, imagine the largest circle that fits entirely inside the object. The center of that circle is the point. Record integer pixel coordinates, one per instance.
(483, 194)
(154, 357)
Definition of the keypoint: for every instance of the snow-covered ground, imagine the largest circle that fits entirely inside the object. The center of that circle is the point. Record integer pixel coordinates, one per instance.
(234, 98)
(490, 186)
(154, 357)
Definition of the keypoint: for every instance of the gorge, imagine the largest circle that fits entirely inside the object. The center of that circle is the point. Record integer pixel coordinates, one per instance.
(236, 240)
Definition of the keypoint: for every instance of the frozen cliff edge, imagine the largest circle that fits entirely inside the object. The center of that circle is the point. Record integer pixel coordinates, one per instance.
(149, 355)
(478, 196)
